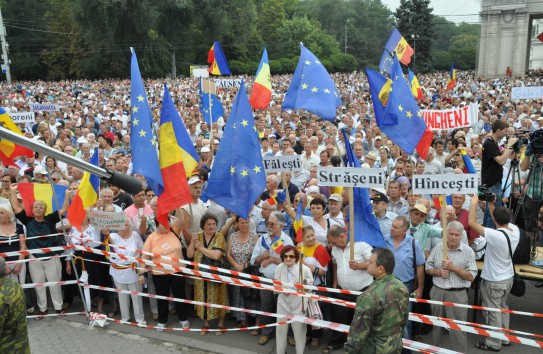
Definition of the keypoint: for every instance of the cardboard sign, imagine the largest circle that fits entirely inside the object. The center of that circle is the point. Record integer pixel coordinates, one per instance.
(445, 184)
(523, 93)
(351, 177)
(451, 118)
(44, 107)
(22, 117)
(285, 163)
(101, 219)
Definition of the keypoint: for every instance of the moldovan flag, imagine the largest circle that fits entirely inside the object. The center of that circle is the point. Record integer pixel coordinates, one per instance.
(451, 83)
(299, 223)
(217, 61)
(174, 153)
(277, 244)
(414, 83)
(396, 43)
(87, 195)
(317, 251)
(262, 88)
(9, 150)
(30, 192)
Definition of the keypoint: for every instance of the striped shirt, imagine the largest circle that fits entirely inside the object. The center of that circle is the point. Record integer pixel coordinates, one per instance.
(463, 256)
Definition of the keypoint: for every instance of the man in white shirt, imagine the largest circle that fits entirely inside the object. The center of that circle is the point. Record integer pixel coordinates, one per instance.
(497, 274)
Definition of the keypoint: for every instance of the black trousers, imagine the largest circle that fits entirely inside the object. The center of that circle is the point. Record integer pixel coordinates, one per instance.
(163, 284)
(343, 315)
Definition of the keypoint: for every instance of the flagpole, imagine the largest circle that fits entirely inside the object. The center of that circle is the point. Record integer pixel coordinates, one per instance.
(285, 187)
(351, 223)
(444, 225)
(210, 115)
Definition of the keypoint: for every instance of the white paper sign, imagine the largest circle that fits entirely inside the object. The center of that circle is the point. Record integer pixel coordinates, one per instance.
(228, 83)
(44, 107)
(445, 184)
(285, 163)
(102, 219)
(522, 93)
(451, 118)
(351, 177)
(22, 117)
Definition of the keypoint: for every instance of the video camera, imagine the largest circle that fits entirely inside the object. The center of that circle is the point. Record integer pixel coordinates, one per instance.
(522, 140)
(535, 144)
(485, 194)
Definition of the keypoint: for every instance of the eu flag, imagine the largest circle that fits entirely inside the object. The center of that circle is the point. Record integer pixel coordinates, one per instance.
(402, 108)
(385, 64)
(144, 154)
(210, 105)
(312, 88)
(366, 226)
(238, 178)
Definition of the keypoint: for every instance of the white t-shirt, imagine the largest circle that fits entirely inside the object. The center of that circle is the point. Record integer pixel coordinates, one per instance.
(498, 263)
(129, 247)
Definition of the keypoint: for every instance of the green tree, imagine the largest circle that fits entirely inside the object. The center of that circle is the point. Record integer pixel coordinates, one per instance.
(414, 17)
(444, 30)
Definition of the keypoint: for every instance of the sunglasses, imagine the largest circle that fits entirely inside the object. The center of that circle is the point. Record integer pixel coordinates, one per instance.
(293, 256)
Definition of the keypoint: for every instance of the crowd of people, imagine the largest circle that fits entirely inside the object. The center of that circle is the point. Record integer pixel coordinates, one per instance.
(96, 114)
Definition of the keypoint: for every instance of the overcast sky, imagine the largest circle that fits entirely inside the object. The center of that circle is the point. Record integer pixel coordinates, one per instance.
(455, 11)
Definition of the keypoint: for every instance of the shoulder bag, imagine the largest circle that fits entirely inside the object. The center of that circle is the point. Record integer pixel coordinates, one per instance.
(519, 286)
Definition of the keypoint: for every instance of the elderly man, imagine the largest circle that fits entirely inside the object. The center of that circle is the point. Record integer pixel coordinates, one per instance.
(13, 330)
(432, 166)
(265, 256)
(384, 216)
(451, 279)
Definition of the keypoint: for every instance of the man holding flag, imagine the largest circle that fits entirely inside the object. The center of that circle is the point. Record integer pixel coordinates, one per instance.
(266, 255)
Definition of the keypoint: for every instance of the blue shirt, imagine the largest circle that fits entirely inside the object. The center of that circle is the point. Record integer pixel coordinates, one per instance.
(403, 256)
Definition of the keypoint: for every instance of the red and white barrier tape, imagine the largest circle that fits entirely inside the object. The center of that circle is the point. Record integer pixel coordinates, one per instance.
(28, 238)
(49, 283)
(62, 314)
(469, 329)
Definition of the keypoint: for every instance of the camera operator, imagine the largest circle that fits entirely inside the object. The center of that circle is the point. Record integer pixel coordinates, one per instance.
(492, 164)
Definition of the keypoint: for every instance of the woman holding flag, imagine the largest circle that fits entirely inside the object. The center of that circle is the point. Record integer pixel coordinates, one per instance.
(316, 258)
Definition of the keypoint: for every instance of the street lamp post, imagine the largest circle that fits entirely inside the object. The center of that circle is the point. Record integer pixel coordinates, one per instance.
(414, 37)
(346, 22)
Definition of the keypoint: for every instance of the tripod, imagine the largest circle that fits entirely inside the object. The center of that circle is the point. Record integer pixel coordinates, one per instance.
(531, 204)
(514, 173)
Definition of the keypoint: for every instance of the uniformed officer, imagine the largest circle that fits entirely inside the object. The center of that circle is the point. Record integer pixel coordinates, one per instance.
(381, 311)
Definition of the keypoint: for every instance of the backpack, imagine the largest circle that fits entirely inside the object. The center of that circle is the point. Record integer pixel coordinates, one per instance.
(523, 250)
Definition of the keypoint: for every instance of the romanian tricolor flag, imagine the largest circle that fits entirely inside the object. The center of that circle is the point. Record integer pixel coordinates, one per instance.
(262, 88)
(299, 223)
(9, 150)
(278, 198)
(469, 168)
(451, 83)
(217, 61)
(416, 90)
(87, 195)
(317, 251)
(177, 159)
(30, 192)
(396, 43)
(277, 244)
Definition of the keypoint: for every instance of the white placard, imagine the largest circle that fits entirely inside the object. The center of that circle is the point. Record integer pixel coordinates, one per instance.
(101, 219)
(22, 117)
(44, 107)
(351, 177)
(284, 163)
(522, 93)
(451, 118)
(228, 83)
(445, 184)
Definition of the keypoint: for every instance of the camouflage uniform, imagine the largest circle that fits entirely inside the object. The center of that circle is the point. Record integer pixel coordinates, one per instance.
(13, 332)
(381, 314)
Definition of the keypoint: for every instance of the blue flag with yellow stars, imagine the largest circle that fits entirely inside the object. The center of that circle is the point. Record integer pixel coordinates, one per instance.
(385, 64)
(144, 153)
(238, 178)
(402, 108)
(210, 105)
(312, 88)
(366, 226)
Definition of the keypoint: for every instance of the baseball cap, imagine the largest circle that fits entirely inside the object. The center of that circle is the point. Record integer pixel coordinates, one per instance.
(205, 149)
(194, 179)
(379, 197)
(335, 197)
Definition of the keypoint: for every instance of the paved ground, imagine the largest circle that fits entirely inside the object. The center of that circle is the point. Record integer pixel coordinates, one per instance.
(72, 335)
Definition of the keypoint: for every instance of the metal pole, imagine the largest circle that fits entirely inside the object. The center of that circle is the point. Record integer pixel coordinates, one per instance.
(346, 22)
(5, 47)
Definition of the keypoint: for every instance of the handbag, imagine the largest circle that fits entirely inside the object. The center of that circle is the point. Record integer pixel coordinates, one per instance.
(519, 286)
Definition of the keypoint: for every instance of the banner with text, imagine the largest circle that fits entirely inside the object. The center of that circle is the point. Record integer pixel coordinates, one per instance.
(445, 184)
(451, 118)
(102, 219)
(228, 83)
(22, 117)
(524, 93)
(285, 163)
(44, 107)
(351, 177)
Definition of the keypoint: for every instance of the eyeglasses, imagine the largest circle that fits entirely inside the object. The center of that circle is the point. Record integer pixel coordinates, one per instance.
(271, 224)
(293, 256)
(54, 179)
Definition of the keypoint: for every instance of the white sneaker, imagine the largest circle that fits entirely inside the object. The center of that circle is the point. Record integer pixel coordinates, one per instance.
(142, 323)
(184, 324)
(160, 327)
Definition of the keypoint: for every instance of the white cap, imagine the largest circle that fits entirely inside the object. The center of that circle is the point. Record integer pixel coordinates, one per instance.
(193, 180)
